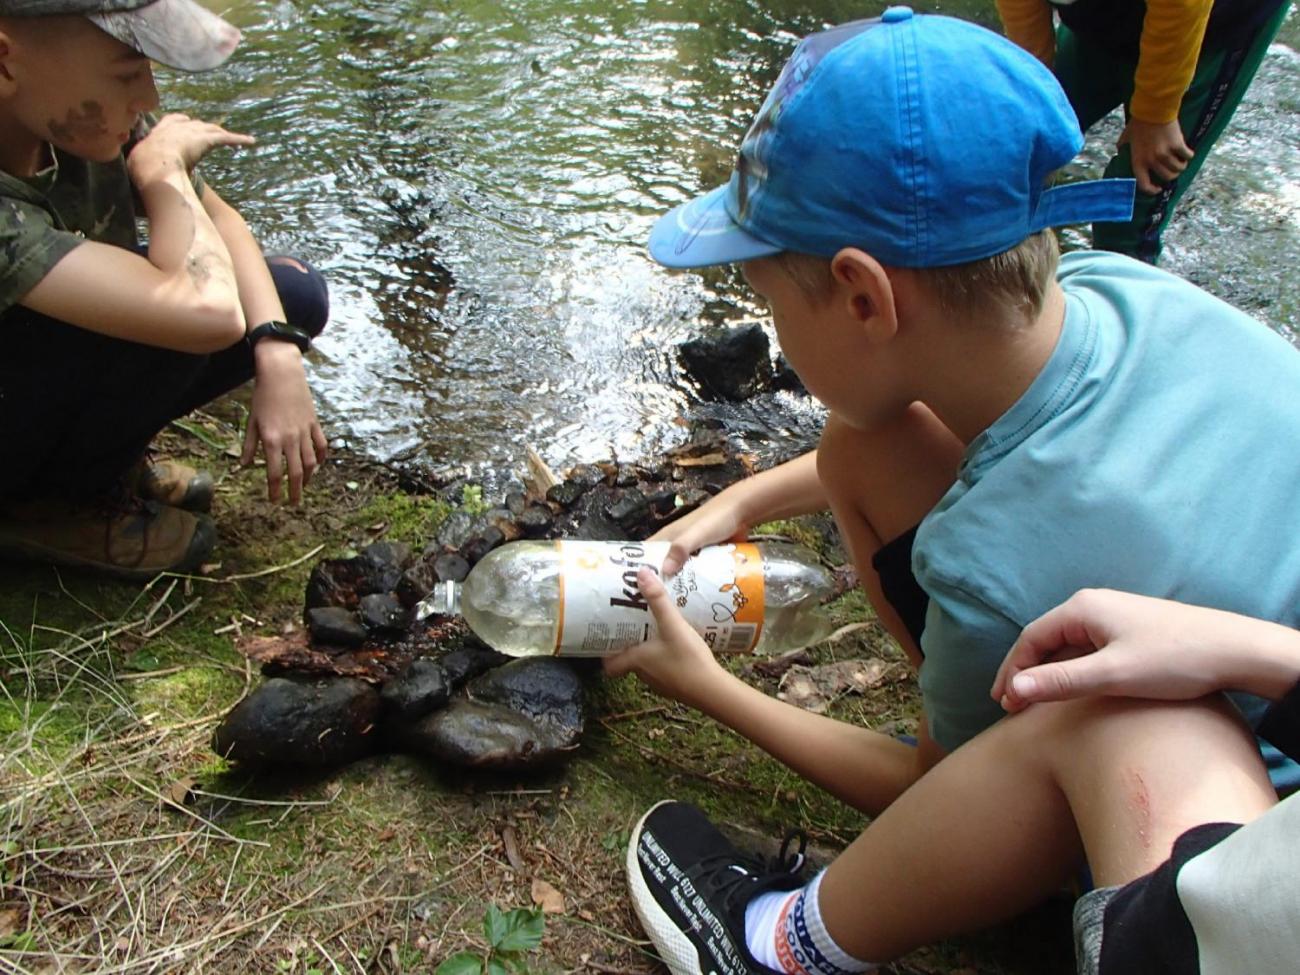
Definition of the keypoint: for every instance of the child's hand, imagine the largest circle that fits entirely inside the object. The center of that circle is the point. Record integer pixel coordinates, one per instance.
(1157, 150)
(1104, 642)
(717, 520)
(676, 663)
(282, 418)
(178, 140)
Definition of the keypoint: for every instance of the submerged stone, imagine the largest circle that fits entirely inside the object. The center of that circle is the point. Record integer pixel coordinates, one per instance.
(481, 544)
(729, 363)
(342, 582)
(451, 567)
(312, 723)
(567, 492)
(536, 520)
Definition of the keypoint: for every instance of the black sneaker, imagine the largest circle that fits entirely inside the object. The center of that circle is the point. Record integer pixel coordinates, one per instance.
(689, 886)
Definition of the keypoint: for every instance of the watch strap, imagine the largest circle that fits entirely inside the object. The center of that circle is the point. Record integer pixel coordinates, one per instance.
(281, 331)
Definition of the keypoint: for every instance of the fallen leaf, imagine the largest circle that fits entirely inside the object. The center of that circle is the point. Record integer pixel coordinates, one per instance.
(511, 844)
(813, 688)
(550, 900)
(385, 834)
(182, 790)
(8, 922)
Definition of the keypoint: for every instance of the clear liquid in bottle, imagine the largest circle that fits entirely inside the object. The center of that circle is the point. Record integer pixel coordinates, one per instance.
(577, 598)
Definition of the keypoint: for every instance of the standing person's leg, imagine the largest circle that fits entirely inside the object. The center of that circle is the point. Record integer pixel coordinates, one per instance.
(1095, 79)
(987, 833)
(1221, 79)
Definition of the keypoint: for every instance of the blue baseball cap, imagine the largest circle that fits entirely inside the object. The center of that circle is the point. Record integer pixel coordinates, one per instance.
(924, 140)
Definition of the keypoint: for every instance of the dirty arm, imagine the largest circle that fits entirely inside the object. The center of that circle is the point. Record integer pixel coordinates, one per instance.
(184, 295)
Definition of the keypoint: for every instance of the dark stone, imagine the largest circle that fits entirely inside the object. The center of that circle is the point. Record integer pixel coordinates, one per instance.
(315, 723)
(627, 476)
(416, 583)
(516, 502)
(342, 582)
(335, 627)
(502, 520)
(629, 510)
(459, 527)
(421, 688)
(536, 520)
(388, 555)
(585, 475)
(527, 714)
(481, 544)
(566, 492)
(468, 661)
(729, 363)
(663, 502)
(693, 497)
(384, 613)
(783, 377)
(450, 567)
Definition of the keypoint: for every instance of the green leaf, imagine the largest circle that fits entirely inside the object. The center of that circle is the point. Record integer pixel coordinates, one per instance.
(463, 963)
(143, 661)
(523, 930)
(495, 967)
(494, 925)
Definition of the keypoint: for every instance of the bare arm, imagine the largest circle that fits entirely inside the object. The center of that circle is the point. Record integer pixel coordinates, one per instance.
(866, 769)
(791, 489)
(283, 415)
(184, 295)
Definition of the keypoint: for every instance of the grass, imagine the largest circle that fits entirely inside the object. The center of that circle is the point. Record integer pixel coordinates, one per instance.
(126, 845)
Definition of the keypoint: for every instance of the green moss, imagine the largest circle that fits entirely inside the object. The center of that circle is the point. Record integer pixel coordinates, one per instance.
(407, 518)
(797, 530)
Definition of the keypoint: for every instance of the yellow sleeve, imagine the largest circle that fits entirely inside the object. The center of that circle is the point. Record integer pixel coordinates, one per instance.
(1029, 24)
(1172, 33)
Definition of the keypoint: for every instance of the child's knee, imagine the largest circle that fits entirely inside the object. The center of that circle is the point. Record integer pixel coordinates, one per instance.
(303, 293)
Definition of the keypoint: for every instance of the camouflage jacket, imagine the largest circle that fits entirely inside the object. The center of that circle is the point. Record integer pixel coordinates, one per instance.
(43, 217)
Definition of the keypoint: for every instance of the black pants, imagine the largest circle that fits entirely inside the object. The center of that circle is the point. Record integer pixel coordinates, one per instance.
(78, 409)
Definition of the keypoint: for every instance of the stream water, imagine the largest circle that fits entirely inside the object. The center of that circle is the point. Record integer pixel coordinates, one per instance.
(477, 180)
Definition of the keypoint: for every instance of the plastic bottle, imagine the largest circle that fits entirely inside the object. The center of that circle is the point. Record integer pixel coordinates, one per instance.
(580, 599)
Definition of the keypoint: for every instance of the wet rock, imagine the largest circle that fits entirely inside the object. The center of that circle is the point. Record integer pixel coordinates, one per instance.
(629, 510)
(416, 583)
(388, 555)
(662, 502)
(527, 714)
(585, 475)
(458, 529)
(335, 627)
(481, 544)
(566, 492)
(783, 377)
(420, 689)
(516, 502)
(536, 520)
(503, 521)
(468, 661)
(451, 567)
(342, 582)
(313, 723)
(626, 477)
(383, 613)
(729, 363)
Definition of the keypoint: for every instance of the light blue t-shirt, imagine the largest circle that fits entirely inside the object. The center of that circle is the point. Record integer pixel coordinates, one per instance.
(1157, 452)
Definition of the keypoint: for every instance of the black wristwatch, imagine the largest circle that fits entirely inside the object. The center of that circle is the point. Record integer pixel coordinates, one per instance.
(280, 331)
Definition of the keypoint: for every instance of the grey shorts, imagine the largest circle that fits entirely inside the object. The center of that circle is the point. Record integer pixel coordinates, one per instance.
(1089, 920)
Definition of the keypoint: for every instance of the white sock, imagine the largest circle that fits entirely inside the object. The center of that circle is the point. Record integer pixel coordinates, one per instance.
(784, 931)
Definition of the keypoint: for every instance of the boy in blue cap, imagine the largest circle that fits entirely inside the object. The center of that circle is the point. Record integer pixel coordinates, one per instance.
(106, 339)
(1002, 433)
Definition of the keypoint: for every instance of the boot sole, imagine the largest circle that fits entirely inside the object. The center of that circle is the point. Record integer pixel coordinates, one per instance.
(201, 544)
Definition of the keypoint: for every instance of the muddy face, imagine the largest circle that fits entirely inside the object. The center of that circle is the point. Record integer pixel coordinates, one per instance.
(80, 124)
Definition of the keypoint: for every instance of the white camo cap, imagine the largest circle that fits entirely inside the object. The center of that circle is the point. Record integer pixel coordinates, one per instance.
(178, 33)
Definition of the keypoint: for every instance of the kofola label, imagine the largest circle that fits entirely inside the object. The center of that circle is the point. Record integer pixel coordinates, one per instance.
(719, 592)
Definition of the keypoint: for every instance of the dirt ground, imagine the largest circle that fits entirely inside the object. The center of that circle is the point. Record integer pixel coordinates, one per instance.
(128, 846)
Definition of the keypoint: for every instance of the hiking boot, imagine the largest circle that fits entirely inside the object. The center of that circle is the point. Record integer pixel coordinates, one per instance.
(131, 539)
(690, 886)
(173, 483)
